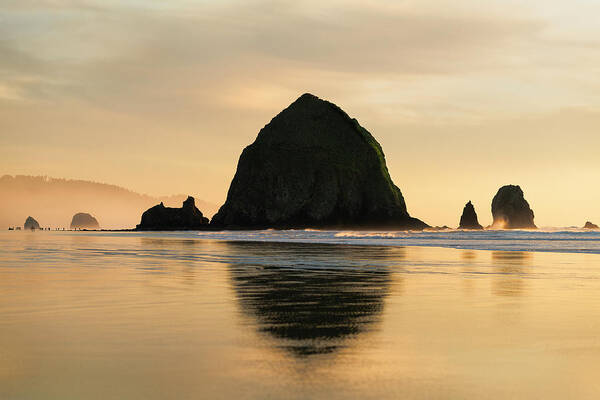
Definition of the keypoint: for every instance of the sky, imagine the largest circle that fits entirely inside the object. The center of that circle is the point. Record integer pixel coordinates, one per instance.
(162, 96)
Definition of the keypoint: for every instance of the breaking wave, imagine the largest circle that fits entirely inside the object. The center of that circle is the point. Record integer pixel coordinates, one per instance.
(565, 240)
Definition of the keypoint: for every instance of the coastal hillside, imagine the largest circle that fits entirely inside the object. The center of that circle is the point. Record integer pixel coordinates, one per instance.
(54, 201)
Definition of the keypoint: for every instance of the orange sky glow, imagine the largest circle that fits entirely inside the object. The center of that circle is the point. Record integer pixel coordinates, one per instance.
(161, 97)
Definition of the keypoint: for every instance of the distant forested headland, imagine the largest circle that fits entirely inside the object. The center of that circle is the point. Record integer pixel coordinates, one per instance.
(54, 201)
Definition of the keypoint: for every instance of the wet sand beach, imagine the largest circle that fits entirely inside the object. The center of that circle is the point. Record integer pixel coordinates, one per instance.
(89, 315)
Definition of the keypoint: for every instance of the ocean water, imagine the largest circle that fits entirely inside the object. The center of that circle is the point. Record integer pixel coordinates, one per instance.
(299, 315)
(555, 240)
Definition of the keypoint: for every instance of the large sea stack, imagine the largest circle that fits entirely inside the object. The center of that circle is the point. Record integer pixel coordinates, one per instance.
(313, 166)
(31, 223)
(84, 221)
(510, 209)
(161, 218)
(468, 219)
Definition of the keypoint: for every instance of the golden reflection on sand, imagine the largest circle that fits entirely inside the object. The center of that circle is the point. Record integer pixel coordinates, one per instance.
(101, 316)
(510, 268)
(314, 308)
(468, 258)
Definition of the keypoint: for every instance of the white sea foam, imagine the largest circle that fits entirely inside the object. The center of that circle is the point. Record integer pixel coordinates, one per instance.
(352, 234)
(571, 240)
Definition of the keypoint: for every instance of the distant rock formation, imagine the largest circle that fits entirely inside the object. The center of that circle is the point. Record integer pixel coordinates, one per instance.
(468, 219)
(589, 225)
(84, 221)
(313, 166)
(115, 207)
(31, 223)
(510, 209)
(159, 218)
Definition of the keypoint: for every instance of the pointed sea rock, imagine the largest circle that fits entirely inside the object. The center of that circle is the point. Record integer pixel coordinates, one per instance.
(31, 223)
(468, 219)
(313, 166)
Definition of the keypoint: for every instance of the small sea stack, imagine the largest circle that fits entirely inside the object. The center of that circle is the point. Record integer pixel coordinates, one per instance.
(31, 223)
(589, 225)
(161, 218)
(84, 221)
(313, 166)
(468, 219)
(510, 209)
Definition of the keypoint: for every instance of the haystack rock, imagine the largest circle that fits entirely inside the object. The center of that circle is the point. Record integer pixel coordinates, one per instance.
(589, 225)
(84, 221)
(468, 219)
(161, 218)
(313, 166)
(510, 209)
(31, 223)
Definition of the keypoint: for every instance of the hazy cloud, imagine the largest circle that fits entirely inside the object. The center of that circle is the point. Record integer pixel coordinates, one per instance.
(114, 81)
(88, 50)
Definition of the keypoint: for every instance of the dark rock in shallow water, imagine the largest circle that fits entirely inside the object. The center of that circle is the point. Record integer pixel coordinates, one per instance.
(313, 166)
(31, 223)
(510, 209)
(159, 217)
(84, 221)
(589, 225)
(468, 219)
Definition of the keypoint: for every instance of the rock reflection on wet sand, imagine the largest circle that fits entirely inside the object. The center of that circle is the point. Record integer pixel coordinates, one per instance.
(314, 307)
(510, 269)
